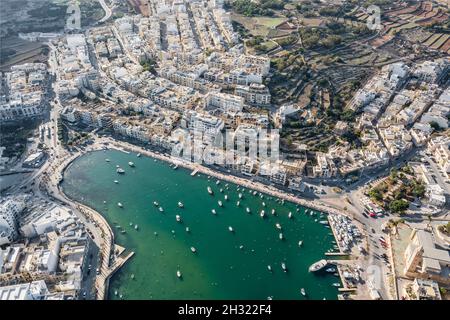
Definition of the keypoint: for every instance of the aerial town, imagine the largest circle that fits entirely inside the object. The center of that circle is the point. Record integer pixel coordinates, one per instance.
(360, 118)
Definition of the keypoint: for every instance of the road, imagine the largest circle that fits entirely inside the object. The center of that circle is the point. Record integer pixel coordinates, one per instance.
(108, 11)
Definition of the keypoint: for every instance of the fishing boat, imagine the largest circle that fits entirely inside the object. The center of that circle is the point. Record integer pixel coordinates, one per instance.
(240, 195)
(331, 270)
(269, 267)
(180, 204)
(290, 215)
(179, 274)
(262, 214)
(278, 226)
(300, 243)
(210, 190)
(248, 210)
(213, 211)
(178, 218)
(115, 181)
(303, 292)
(161, 209)
(336, 284)
(131, 164)
(318, 265)
(220, 203)
(120, 171)
(107, 160)
(155, 203)
(230, 229)
(281, 236)
(136, 227)
(283, 266)
(120, 205)
(193, 249)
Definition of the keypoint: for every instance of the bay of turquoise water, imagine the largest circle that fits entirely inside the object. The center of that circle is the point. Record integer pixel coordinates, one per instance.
(227, 265)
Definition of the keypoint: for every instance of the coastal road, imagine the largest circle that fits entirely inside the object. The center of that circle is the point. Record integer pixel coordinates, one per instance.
(108, 11)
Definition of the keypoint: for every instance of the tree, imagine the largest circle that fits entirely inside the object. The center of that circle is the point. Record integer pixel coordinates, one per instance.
(376, 194)
(398, 205)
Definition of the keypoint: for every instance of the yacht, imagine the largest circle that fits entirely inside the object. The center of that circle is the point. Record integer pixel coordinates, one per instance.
(273, 212)
(303, 292)
(179, 274)
(290, 215)
(138, 155)
(262, 213)
(281, 236)
(331, 270)
(263, 204)
(220, 203)
(210, 190)
(221, 190)
(107, 160)
(156, 203)
(213, 211)
(336, 284)
(283, 266)
(115, 181)
(131, 164)
(238, 203)
(300, 243)
(225, 197)
(193, 250)
(318, 265)
(248, 210)
(278, 226)
(180, 204)
(120, 205)
(120, 170)
(269, 267)
(161, 209)
(230, 229)
(217, 182)
(136, 227)
(240, 195)
(178, 218)
(323, 222)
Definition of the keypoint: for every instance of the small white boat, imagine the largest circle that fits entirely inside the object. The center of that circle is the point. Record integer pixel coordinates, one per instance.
(117, 166)
(238, 203)
(217, 182)
(107, 160)
(230, 229)
(303, 292)
(263, 204)
(180, 204)
(213, 211)
(273, 212)
(240, 195)
(331, 270)
(187, 229)
(290, 215)
(281, 236)
(283, 266)
(221, 190)
(138, 155)
(248, 210)
(178, 218)
(132, 276)
(300, 243)
(225, 197)
(115, 181)
(262, 213)
(179, 274)
(175, 167)
(193, 249)
(120, 171)
(269, 267)
(131, 164)
(220, 203)
(336, 284)
(120, 205)
(278, 226)
(161, 209)
(210, 190)
(116, 293)
(104, 202)
(155, 203)
(136, 227)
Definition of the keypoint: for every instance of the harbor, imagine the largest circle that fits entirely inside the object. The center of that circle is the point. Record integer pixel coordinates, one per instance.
(162, 240)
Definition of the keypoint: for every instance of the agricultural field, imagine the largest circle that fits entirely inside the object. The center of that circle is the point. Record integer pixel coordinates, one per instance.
(258, 26)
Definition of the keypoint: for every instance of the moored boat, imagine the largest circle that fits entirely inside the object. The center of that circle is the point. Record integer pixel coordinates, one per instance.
(230, 229)
(269, 267)
(290, 215)
(210, 190)
(179, 275)
(180, 204)
(131, 164)
(262, 214)
(281, 236)
(318, 265)
(120, 171)
(303, 292)
(300, 243)
(278, 226)
(213, 211)
(120, 205)
(193, 249)
(220, 203)
(283, 266)
(115, 181)
(161, 209)
(178, 218)
(248, 210)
